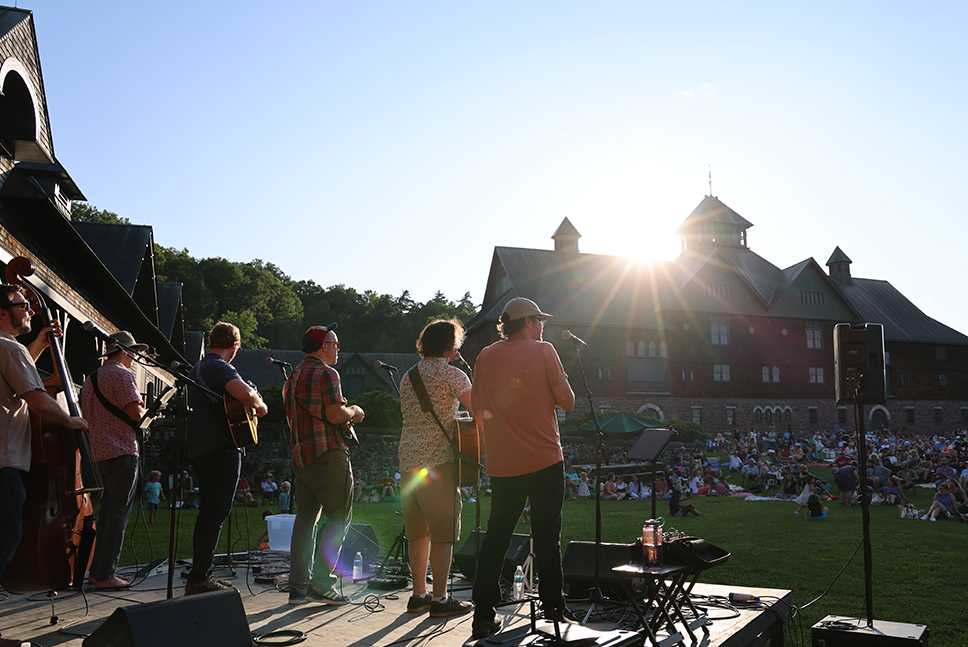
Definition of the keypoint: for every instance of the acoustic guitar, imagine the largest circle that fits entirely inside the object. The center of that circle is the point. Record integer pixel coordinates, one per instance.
(467, 445)
(242, 422)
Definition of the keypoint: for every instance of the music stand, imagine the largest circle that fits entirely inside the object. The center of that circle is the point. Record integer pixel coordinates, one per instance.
(649, 447)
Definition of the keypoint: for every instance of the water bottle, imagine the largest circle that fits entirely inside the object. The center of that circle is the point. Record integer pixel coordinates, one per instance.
(358, 567)
(519, 584)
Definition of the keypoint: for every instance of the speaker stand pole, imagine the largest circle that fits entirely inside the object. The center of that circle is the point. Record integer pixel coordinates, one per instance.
(865, 507)
(184, 406)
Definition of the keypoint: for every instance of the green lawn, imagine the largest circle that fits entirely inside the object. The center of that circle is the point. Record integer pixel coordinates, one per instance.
(918, 567)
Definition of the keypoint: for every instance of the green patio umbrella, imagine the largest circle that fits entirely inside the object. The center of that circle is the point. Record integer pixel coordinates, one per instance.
(623, 423)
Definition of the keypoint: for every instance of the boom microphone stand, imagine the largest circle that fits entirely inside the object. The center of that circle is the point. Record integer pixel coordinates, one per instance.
(595, 595)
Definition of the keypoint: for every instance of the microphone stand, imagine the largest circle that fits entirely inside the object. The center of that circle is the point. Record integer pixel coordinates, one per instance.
(390, 371)
(477, 500)
(595, 595)
(287, 431)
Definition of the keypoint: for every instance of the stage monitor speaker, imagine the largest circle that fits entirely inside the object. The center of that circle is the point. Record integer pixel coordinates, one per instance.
(578, 564)
(837, 631)
(195, 621)
(859, 363)
(517, 552)
(360, 538)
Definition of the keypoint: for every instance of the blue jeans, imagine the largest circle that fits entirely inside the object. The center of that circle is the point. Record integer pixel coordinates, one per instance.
(218, 474)
(120, 476)
(12, 497)
(546, 489)
(325, 487)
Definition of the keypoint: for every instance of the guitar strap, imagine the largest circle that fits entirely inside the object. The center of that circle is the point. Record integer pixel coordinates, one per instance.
(427, 406)
(113, 409)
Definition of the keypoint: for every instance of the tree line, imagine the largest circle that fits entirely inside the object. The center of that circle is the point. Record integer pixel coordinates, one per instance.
(273, 311)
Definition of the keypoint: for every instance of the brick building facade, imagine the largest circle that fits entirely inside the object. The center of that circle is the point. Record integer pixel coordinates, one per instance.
(722, 337)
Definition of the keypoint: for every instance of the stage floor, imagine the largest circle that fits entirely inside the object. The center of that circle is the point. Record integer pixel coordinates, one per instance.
(368, 620)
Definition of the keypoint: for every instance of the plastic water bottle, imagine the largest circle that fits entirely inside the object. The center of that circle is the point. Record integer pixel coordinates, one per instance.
(519, 584)
(358, 567)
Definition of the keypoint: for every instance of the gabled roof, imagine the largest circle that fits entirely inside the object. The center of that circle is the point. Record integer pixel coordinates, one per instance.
(880, 302)
(578, 288)
(24, 122)
(251, 364)
(838, 256)
(760, 275)
(712, 210)
(128, 252)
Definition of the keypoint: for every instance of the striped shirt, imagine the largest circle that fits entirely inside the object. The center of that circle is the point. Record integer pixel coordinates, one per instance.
(312, 387)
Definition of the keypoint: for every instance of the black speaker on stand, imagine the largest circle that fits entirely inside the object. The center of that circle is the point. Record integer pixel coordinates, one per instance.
(466, 556)
(194, 621)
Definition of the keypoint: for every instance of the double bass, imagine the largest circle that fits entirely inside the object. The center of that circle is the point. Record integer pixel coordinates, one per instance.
(58, 533)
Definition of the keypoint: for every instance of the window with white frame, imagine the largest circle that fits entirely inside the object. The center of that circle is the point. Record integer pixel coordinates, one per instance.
(730, 416)
(720, 372)
(719, 332)
(697, 415)
(814, 335)
(641, 349)
(776, 374)
(630, 348)
(816, 375)
(652, 349)
(766, 373)
(663, 349)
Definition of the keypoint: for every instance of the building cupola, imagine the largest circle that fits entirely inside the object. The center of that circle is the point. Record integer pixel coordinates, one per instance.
(713, 223)
(566, 237)
(839, 266)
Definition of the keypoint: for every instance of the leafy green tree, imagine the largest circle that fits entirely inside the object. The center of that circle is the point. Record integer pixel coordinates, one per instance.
(381, 408)
(87, 212)
(247, 324)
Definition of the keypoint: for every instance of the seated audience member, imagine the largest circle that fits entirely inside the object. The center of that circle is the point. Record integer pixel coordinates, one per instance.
(944, 472)
(661, 486)
(387, 486)
(735, 463)
(635, 488)
(243, 493)
(943, 505)
(679, 509)
(815, 509)
(789, 490)
(907, 478)
(609, 493)
(270, 491)
(751, 474)
(358, 485)
(894, 494)
(621, 488)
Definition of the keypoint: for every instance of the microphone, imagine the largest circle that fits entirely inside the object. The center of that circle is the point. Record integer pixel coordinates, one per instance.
(92, 327)
(575, 339)
(277, 362)
(384, 365)
(178, 366)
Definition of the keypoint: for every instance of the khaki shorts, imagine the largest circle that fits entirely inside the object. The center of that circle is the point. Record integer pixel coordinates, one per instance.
(432, 505)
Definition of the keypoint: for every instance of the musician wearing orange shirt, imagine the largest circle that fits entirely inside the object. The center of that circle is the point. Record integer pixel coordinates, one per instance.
(431, 501)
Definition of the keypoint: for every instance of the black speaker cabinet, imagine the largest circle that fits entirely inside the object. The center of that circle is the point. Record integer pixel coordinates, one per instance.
(837, 631)
(517, 552)
(194, 621)
(578, 564)
(859, 363)
(360, 538)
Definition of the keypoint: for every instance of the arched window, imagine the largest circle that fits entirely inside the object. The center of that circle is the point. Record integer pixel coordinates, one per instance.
(651, 349)
(776, 374)
(766, 374)
(629, 349)
(663, 350)
(641, 349)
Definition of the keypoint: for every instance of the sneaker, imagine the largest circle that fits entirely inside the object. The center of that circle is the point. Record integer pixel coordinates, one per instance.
(208, 585)
(924, 518)
(312, 594)
(933, 519)
(450, 607)
(484, 628)
(420, 603)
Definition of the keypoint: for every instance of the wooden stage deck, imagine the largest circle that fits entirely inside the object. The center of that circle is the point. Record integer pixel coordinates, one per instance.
(368, 620)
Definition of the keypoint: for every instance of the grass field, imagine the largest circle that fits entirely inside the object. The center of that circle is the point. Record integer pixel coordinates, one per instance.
(919, 568)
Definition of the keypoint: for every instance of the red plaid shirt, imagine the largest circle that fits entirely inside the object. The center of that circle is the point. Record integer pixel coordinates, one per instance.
(312, 387)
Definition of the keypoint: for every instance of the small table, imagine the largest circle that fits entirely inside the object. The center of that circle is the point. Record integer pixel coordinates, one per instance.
(665, 584)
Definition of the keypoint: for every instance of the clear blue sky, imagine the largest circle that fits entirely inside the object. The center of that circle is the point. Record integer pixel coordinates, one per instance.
(393, 145)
